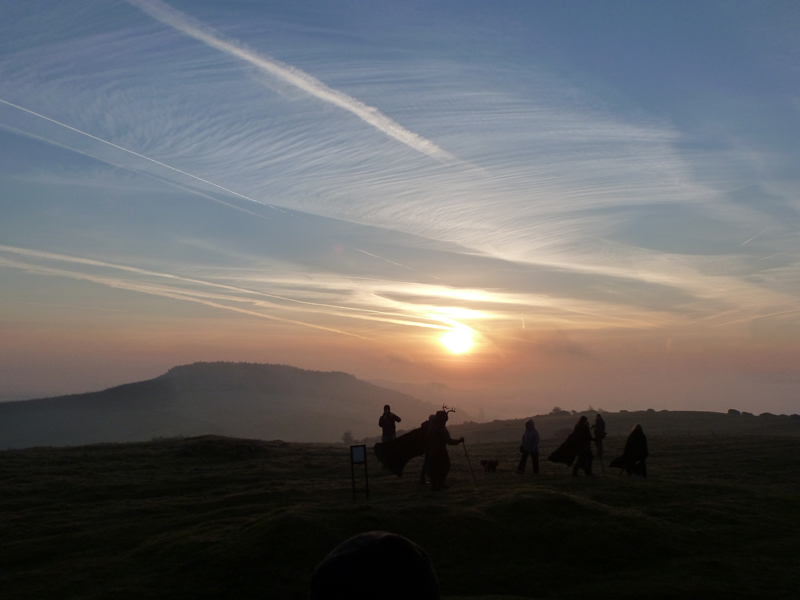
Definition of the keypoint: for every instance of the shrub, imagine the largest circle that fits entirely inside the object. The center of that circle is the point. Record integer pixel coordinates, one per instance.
(733, 411)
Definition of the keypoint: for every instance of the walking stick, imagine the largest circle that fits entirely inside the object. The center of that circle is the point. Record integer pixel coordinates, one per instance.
(470, 465)
(602, 466)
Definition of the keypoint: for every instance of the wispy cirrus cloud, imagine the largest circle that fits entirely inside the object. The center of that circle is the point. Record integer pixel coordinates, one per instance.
(562, 180)
(293, 76)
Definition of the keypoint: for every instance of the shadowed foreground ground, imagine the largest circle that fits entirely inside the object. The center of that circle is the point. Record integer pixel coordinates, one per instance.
(217, 517)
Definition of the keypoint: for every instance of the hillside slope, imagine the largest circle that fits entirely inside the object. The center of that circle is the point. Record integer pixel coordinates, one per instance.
(211, 517)
(233, 399)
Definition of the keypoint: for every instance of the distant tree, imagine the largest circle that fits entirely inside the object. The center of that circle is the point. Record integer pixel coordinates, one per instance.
(794, 416)
(766, 414)
(651, 410)
(733, 411)
(746, 414)
(558, 411)
(347, 438)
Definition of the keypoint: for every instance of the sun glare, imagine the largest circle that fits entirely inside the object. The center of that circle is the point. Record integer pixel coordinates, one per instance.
(457, 341)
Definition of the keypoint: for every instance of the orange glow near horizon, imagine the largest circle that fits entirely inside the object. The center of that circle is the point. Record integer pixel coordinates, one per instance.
(458, 340)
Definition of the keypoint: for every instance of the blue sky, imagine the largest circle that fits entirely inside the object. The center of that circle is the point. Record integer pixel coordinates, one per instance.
(604, 196)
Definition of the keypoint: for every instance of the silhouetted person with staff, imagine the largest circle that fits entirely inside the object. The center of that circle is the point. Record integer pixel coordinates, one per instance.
(635, 454)
(529, 447)
(387, 424)
(436, 442)
(599, 428)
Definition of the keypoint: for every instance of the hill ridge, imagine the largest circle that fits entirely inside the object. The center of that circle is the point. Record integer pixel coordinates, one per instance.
(258, 400)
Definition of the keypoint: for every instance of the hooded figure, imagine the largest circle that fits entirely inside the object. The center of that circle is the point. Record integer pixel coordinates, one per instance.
(635, 454)
(529, 447)
(599, 433)
(577, 445)
(436, 442)
(375, 566)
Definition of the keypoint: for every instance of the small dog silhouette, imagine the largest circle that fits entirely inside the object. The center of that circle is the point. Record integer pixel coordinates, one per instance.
(490, 466)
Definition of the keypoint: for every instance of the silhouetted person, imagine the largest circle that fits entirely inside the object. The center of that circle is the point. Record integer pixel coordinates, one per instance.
(375, 566)
(529, 447)
(437, 440)
(387, 423)
(423, 475)
(599, 433)
(635, 454)
(583, 446)
(577, 448)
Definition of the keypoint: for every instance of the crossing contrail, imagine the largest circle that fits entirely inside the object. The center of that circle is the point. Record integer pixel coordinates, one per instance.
(142, 156)
(394, 263)
(169, 16)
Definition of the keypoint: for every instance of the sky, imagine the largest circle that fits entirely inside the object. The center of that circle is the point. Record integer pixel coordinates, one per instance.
(554, 203)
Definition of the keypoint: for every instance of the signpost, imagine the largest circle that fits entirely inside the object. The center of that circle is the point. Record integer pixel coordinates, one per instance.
(358, 456)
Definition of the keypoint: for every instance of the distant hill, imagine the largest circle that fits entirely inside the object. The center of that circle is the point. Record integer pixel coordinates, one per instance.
(663, 423)
(232, 399)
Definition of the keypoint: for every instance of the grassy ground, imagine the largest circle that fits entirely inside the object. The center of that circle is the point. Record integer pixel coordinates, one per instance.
(216, 517)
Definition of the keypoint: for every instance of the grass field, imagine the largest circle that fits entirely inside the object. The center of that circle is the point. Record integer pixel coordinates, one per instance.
(217, 517)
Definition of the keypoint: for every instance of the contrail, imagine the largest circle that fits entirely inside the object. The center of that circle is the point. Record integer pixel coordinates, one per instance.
(152, 160)
(394, 263)
(755, 236)
(166, 293)
(141, 173)
(96, 263)
(169, 16)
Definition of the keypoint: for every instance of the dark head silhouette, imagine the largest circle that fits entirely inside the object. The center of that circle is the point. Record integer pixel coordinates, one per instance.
(375, 566)
(386, 407)
(440, 417)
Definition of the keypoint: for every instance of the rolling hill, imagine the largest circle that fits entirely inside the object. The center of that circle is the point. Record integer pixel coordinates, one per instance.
(259, 401)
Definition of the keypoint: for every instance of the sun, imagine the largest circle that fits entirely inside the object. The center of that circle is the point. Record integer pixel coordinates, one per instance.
(457, 341)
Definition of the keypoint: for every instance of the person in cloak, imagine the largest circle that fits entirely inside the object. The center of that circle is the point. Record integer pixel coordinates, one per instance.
(529, 447)
(599, 428)
(576, 451)
(387, 424)
(436, 442)
(582, 436)
(635, 454)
